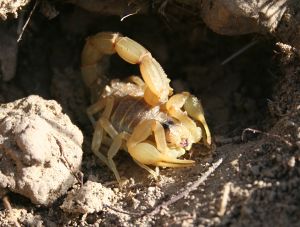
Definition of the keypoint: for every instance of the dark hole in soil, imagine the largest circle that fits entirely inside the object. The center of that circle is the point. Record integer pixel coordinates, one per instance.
(234, 95)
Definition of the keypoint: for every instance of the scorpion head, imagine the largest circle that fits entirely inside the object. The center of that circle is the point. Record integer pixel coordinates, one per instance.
(177, 135)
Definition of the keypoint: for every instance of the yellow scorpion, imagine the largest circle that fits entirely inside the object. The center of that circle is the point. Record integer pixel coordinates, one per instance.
(140, 116)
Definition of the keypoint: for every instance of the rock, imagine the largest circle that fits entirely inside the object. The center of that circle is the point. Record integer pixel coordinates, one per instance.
(242, 16)
(20, 215)
(40, 149)
(11, 7)
(90, 198)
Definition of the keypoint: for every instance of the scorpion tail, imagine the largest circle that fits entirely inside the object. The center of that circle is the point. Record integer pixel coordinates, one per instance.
(94, 60)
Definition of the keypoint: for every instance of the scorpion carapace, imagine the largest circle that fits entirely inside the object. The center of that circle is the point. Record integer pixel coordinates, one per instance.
(140, 115)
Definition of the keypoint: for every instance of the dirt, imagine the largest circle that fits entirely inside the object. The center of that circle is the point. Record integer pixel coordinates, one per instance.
(257, 181)
(91, 197)
(11, 8)
(40, 149)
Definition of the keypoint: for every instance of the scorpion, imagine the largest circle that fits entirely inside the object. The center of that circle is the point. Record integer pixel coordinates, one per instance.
(140, 115)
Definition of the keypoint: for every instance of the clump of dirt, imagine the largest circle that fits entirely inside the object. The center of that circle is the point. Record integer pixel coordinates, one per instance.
(8, 7)
(22, 215)
(90, 198)
(40, 149)
(257, 177)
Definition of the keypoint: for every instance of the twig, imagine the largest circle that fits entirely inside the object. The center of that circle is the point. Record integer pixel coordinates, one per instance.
(8, 207)
(128, 12)
(27, 21)
(266, 134)
(77, 174)
(184, 193)
(6, 203)
(240, 51)
(225, 199)
(227, 140)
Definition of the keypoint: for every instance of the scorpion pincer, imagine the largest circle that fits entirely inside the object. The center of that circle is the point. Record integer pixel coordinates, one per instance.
(140, 116)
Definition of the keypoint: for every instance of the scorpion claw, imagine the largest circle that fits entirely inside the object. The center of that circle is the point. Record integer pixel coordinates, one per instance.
(195, 110)
(147, 154)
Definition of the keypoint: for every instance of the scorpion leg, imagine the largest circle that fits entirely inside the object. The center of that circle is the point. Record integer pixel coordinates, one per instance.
(194, 109)
(151, 171)
(108, 127)
(95, 108)
(96, 143)
(114, 148)
(146, 153)
(103, 125)
(99, 132)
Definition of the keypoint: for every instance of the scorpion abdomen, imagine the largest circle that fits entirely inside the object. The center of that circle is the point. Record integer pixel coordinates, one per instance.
(129, 111)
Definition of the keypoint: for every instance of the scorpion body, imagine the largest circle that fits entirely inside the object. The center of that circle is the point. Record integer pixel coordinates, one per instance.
(129, 110)
(140, 116)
